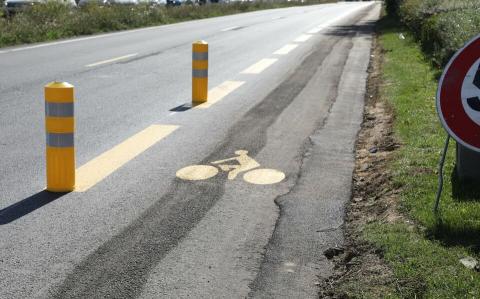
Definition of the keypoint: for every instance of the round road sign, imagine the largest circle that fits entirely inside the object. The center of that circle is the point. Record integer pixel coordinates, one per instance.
(458, 96)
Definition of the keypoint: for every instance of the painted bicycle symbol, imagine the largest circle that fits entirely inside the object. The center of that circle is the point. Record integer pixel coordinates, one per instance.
(246, 165)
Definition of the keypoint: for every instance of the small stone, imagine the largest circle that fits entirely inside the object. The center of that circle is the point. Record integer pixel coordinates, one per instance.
(373, 150)
(357, 199)
(469, 262)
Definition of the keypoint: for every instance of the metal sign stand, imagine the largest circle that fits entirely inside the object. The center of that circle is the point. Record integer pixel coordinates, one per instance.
(458, 107)
(440, 174)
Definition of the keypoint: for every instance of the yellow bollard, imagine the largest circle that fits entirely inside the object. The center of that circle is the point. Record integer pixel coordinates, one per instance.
(60, 127)
(199, 72)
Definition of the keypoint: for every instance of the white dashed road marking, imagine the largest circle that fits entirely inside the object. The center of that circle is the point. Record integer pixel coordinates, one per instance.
(260, 66)
(302, 38)
(285, 49)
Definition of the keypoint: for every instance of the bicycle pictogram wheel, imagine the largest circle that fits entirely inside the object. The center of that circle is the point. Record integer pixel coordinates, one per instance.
(197, 172)
(261, 176)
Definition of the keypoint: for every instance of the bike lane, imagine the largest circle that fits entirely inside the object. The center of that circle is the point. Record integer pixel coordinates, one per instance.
(211, 263)
(268, 241)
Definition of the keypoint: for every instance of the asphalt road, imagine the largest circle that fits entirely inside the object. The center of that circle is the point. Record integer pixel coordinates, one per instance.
(287, 86)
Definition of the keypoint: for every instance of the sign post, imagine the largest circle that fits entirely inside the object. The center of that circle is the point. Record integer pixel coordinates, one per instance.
(458, 107)
(467, 164)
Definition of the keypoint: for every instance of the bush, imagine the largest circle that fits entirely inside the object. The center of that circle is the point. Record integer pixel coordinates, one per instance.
(392, 6)
(442, 26)
(445, 33)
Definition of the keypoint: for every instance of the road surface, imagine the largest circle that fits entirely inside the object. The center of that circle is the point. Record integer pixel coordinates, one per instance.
(286, 85)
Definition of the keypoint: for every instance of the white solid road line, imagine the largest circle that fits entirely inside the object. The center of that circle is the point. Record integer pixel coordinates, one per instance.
(230, 28)
(111, 60)
(55, 43)
(285, 49)
(260, 66)
(302, 38)
(74, 40)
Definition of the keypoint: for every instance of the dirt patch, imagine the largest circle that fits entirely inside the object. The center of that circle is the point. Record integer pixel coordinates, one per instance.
(359, 267)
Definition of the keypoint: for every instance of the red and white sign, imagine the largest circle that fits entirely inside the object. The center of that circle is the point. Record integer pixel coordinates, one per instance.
(458, 96)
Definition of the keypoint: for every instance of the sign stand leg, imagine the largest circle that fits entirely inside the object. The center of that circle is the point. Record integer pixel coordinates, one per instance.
(440, 174)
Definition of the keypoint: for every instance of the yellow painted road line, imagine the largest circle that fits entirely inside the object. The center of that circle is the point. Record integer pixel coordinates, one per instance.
(218, 93)
(112, 60)
(302, 38)
(94, 171)
(285, 49)
(260, 66)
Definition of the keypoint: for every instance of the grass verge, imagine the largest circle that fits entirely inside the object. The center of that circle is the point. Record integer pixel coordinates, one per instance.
(395, 246)
(423, 251)
(51, 21)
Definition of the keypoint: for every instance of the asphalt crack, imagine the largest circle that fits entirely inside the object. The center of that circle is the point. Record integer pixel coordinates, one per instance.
(279, 200)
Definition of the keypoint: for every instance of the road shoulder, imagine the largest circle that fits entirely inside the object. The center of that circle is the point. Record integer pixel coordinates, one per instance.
(358, 264)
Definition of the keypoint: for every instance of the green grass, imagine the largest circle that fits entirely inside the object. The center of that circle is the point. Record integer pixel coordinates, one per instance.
(425, 254)
(53, 21)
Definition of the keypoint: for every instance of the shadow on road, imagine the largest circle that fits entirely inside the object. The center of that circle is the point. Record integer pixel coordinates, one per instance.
(181, 108)
(365, 28)
(26, 206)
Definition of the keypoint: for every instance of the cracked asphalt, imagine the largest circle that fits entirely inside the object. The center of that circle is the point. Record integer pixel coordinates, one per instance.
(141, 232)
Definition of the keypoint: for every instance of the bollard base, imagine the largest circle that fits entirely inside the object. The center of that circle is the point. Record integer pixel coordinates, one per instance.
(60, 169)
(54, 190)
(467, 164)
